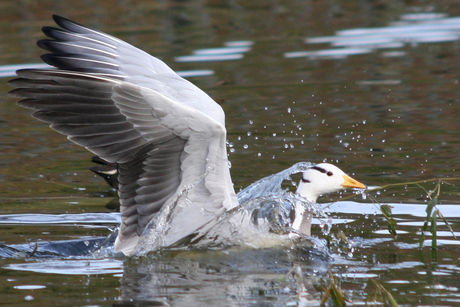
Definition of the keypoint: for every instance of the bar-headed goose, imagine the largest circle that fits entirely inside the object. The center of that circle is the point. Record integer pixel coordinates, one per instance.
(166, 136)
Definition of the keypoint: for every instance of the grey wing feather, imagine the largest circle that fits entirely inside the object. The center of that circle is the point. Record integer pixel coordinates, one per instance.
(131, 109)
(148, 161)
(78, 39)
(82, 49)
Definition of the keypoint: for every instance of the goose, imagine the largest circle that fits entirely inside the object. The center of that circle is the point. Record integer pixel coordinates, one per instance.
(166, 137)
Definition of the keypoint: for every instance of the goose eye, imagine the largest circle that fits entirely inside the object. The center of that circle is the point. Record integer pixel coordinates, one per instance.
(329, 173)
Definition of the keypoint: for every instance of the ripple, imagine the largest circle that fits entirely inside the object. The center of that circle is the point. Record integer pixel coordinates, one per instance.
(71, 267)
(411, 29)
(98, 218)
(29, 287)
(359, 275)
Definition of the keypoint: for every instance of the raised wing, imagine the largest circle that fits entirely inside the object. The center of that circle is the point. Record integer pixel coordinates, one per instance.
(161, 142)
(79, 48)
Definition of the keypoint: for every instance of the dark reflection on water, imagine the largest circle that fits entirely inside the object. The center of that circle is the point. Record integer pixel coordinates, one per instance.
(233, 277)
(386, 116)
(266, 276)
(69, 248)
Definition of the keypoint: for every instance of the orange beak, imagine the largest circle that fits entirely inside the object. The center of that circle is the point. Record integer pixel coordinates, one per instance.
(352, 183)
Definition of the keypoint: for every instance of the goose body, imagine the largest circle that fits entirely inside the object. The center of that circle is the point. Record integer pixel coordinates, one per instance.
(166, 137)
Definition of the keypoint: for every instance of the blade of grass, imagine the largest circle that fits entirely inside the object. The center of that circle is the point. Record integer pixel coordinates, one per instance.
(387, 298)
(334, 293)
(447, 223)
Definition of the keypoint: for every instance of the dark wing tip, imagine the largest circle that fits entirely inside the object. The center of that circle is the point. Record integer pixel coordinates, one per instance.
(45, 44)
(64, 22)
(58, 18)
(14, 93)
(106, 170)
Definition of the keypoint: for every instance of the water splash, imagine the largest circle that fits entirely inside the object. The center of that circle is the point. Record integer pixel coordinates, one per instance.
(263, 218)
(272, 184)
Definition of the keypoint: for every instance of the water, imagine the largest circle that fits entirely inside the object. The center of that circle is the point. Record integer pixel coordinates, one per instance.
(387, 115)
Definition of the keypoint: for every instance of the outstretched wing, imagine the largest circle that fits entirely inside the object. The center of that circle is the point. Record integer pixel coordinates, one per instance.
(131, 109)
(79, 48)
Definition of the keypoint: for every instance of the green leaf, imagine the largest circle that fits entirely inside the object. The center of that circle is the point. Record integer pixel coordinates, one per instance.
(392, 226)
(434, 219)
(430, 206)
(386, 210)
(428, 210)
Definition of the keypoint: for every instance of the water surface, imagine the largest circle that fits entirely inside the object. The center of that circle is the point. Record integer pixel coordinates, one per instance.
(302, 81)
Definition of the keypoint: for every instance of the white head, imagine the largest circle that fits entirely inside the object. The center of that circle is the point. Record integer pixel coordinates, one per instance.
(325, 178)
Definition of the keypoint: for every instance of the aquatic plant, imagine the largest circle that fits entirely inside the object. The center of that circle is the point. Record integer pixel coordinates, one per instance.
(432, 212)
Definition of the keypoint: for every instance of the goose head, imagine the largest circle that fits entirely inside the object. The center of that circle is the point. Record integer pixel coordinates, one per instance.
(325, 178)
(320, 179)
